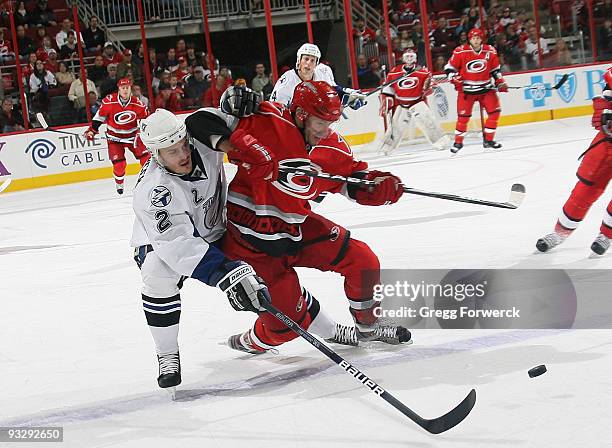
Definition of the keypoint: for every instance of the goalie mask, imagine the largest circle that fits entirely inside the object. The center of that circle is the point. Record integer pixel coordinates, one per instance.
(410, 58)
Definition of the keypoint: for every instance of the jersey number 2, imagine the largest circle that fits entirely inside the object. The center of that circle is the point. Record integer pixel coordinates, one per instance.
(163, 223)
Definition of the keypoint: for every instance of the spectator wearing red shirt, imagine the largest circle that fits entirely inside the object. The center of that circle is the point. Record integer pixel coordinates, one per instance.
(183, 69)
(5, 47)
(110, 56)
(181, 48)
(213, 94)
(364, 32)
(52, 64)
(28, 69)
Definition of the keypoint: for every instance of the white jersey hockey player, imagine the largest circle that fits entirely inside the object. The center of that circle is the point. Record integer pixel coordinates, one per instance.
(307, 68)
(179, 203)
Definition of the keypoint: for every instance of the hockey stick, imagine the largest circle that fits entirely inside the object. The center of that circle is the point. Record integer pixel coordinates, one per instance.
(388, 83)
(5, 184)
(555, 87)
(434, 426)
(517, 191)
(482, 126)
(46, 127)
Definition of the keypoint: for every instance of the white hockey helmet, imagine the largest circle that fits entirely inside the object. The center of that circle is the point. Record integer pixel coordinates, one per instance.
(160, 130)
(409, 57)
(308, 50)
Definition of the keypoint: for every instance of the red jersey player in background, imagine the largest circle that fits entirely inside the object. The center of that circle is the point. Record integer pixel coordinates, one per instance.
(405, 100)
(272, 227)
(120, 111)
(471, 69)
(593, 174)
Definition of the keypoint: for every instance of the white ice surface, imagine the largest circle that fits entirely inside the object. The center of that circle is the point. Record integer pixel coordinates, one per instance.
(75, 350)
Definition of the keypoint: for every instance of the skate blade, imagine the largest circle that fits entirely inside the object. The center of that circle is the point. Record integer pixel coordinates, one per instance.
(596, 256)
(171, 391)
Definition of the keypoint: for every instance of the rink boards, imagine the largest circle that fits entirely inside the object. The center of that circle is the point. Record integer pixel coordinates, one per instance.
(39, 159)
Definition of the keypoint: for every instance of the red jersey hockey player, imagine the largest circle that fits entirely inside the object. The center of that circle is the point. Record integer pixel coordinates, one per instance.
(474, 69)
(272, 227)
(405, 100)
(121, 112)
(593, 174)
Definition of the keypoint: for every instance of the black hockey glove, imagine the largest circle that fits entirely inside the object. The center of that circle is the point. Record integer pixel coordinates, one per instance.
(240, 101)
(244, 289)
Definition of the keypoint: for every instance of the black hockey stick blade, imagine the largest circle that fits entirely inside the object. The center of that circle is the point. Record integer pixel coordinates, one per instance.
(434, 426)
(561, 81)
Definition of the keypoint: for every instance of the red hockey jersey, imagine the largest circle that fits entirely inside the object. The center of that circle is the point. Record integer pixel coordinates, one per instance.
(268, 215)
(411, 89)
(121, 120)
(475, 68)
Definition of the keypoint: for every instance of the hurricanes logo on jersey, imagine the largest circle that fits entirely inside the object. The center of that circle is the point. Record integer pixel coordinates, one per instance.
(408, 83)
(160, 196)
(124, 117)
(476, 66)
(295, 184)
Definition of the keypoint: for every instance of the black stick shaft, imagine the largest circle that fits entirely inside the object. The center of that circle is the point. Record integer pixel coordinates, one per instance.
(434, 426)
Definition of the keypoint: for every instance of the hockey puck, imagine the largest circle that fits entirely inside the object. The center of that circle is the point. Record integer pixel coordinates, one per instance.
(536, 371)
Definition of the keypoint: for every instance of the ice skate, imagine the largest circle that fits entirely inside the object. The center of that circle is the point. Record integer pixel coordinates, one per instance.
(169, 372)
(119, 187)
(549, 241)
(600, 245)
(456, 147)
(244, 342)
(383, 331)
(491, 144)
(345, 335)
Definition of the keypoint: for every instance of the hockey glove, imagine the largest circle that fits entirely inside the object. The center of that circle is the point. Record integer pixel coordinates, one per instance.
(387, 189)
(240, 101)
(600, 104)
(501, 85)
(244, 289)
(606, 122)
(90, 133)
(248, 153)
(351, 98)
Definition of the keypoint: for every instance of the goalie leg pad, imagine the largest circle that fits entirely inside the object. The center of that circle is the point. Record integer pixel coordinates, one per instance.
(427, 123)
(396, 130)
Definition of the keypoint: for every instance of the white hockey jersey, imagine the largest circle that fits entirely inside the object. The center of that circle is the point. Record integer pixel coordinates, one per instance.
(284, 87)
(180, 216)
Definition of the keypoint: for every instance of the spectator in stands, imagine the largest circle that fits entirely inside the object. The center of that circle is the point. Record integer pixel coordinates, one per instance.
(125, 64)
(109, 84)
(93, 36)
(504, 67)
(11, 119)
(28, 69)
(22, 16)
(5, 48)
(560, 55)
(439, 63)
(212, 95)
(43, 14)
(363, 32)
(61, 38)
(41, 32)
(441, 37)
(163, 80)
(94, 102)
(63, 75)
(171, 63)
(531, 48)
(183, 70)
(369, 79)
(196, 86)
(109, 55)
(191, 56)
(181, 48)
(70, 49)
(76, 95)
(463, 26)
(47, 45)
(52, 64)
(473, 18)
(396, 48)
(24, 43)
(170, 97)
(41, 81)
(506, 18)
(362, 64)
(405, 40)
(98, 72)
(260, 79)
(604, 49)
(225, 71)
(137, 92)
(154, 64)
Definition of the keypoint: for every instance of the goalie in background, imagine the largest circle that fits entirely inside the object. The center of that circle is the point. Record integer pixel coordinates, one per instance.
(404, 102)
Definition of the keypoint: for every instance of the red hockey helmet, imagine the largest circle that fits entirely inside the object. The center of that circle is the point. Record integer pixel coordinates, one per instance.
(608, 77)
(317, 98)
(476, 32)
